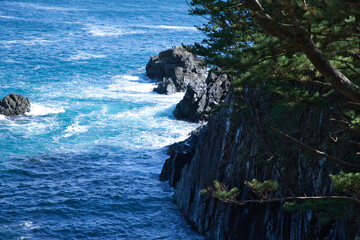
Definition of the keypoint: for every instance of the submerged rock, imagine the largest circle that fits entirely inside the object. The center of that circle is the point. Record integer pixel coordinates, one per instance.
(14, 104)
(175, 68)
(202, 96)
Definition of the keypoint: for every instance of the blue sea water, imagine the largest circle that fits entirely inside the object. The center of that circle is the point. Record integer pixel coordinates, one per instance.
(84, 163)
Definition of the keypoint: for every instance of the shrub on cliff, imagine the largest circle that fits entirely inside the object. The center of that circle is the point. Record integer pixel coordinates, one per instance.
(305, 53)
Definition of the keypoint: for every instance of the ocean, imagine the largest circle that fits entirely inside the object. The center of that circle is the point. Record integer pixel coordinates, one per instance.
(84, 163)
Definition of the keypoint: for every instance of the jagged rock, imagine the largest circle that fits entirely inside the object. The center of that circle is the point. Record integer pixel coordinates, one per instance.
(180, 154)
(14, 104)
(175, 68)
(202, 96)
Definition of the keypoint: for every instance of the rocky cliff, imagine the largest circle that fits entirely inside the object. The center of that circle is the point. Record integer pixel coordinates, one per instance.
(175, 68)
(202, 97)
(236, 146)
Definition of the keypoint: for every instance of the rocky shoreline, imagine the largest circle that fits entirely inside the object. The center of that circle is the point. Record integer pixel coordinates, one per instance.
(234, 151)
(178, 70)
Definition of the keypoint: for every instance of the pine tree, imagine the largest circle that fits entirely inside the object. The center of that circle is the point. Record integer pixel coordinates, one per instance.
(307, 52)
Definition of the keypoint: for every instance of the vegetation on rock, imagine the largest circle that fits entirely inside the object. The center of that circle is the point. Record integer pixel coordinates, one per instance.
(305, 54)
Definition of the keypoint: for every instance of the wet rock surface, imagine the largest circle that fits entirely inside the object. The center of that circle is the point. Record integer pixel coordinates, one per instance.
(14, 104)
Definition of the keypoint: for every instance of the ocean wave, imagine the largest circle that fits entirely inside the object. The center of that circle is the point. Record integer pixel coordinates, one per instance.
(103, 31)
(10, 17)
(10, 61)
(37, 109)
(29, 225)
(109, 31)
(175, 27)
(30, 42)
(42, 7)
(75, 129)
(168, 27)
(130, 84)
(85, 56)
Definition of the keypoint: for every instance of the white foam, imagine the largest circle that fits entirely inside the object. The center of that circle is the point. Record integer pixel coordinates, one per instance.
(38, 109)
(30, 42)
(29, 225)
(75, 129)
(85, 56)
(2, 117)
(42, 7)
(10, 61)
(129, 84)
(10, 17)
(176, 27)
(109, 31)
(103, 31)
(168, 27)
(129, 77)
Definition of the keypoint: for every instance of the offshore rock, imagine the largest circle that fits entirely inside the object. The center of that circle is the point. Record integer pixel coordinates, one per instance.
(175, 68)
(202, 96)
(234, 147)
(14, 104)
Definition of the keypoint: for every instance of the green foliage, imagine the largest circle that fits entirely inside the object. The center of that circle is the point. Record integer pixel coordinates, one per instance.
(262, 189)
(256, 60)
(237, 44)
(348, 183)
(324, 210)
(221, 192)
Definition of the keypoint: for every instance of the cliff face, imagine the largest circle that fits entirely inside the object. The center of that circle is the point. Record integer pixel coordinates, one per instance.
(234, 147)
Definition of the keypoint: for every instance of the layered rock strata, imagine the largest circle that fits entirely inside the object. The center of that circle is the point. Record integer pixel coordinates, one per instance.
(235, 146)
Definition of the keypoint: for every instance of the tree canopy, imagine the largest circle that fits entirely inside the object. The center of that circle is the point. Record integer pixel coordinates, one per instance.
(304, 50)
(310, 41)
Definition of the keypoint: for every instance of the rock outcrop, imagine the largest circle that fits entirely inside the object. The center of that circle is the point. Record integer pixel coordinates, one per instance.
(175, 68)
(202, 96)
(234, 147)
(14, 104)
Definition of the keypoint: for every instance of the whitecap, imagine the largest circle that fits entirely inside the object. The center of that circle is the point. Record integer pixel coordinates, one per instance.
(130, 84)
(29, 225)
(75, 129)
(10, 61)
(176, 27)
(103, 31)
(30, 42)
(130, 77)
(85, 56)
(37, 109)
(10, 17)
(109, 31)
(169, 27)
(43, 7)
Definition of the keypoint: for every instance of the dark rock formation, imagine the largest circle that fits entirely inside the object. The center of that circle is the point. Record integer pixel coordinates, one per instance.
(201, 97)
(13, 104)
(175, 68)
(180, 154)
(233, 151)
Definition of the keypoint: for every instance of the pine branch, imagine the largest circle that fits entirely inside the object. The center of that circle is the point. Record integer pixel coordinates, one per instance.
(284, 199)
(314, 151)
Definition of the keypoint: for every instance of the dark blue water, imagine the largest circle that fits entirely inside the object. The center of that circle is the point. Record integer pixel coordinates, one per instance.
(84, 163)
